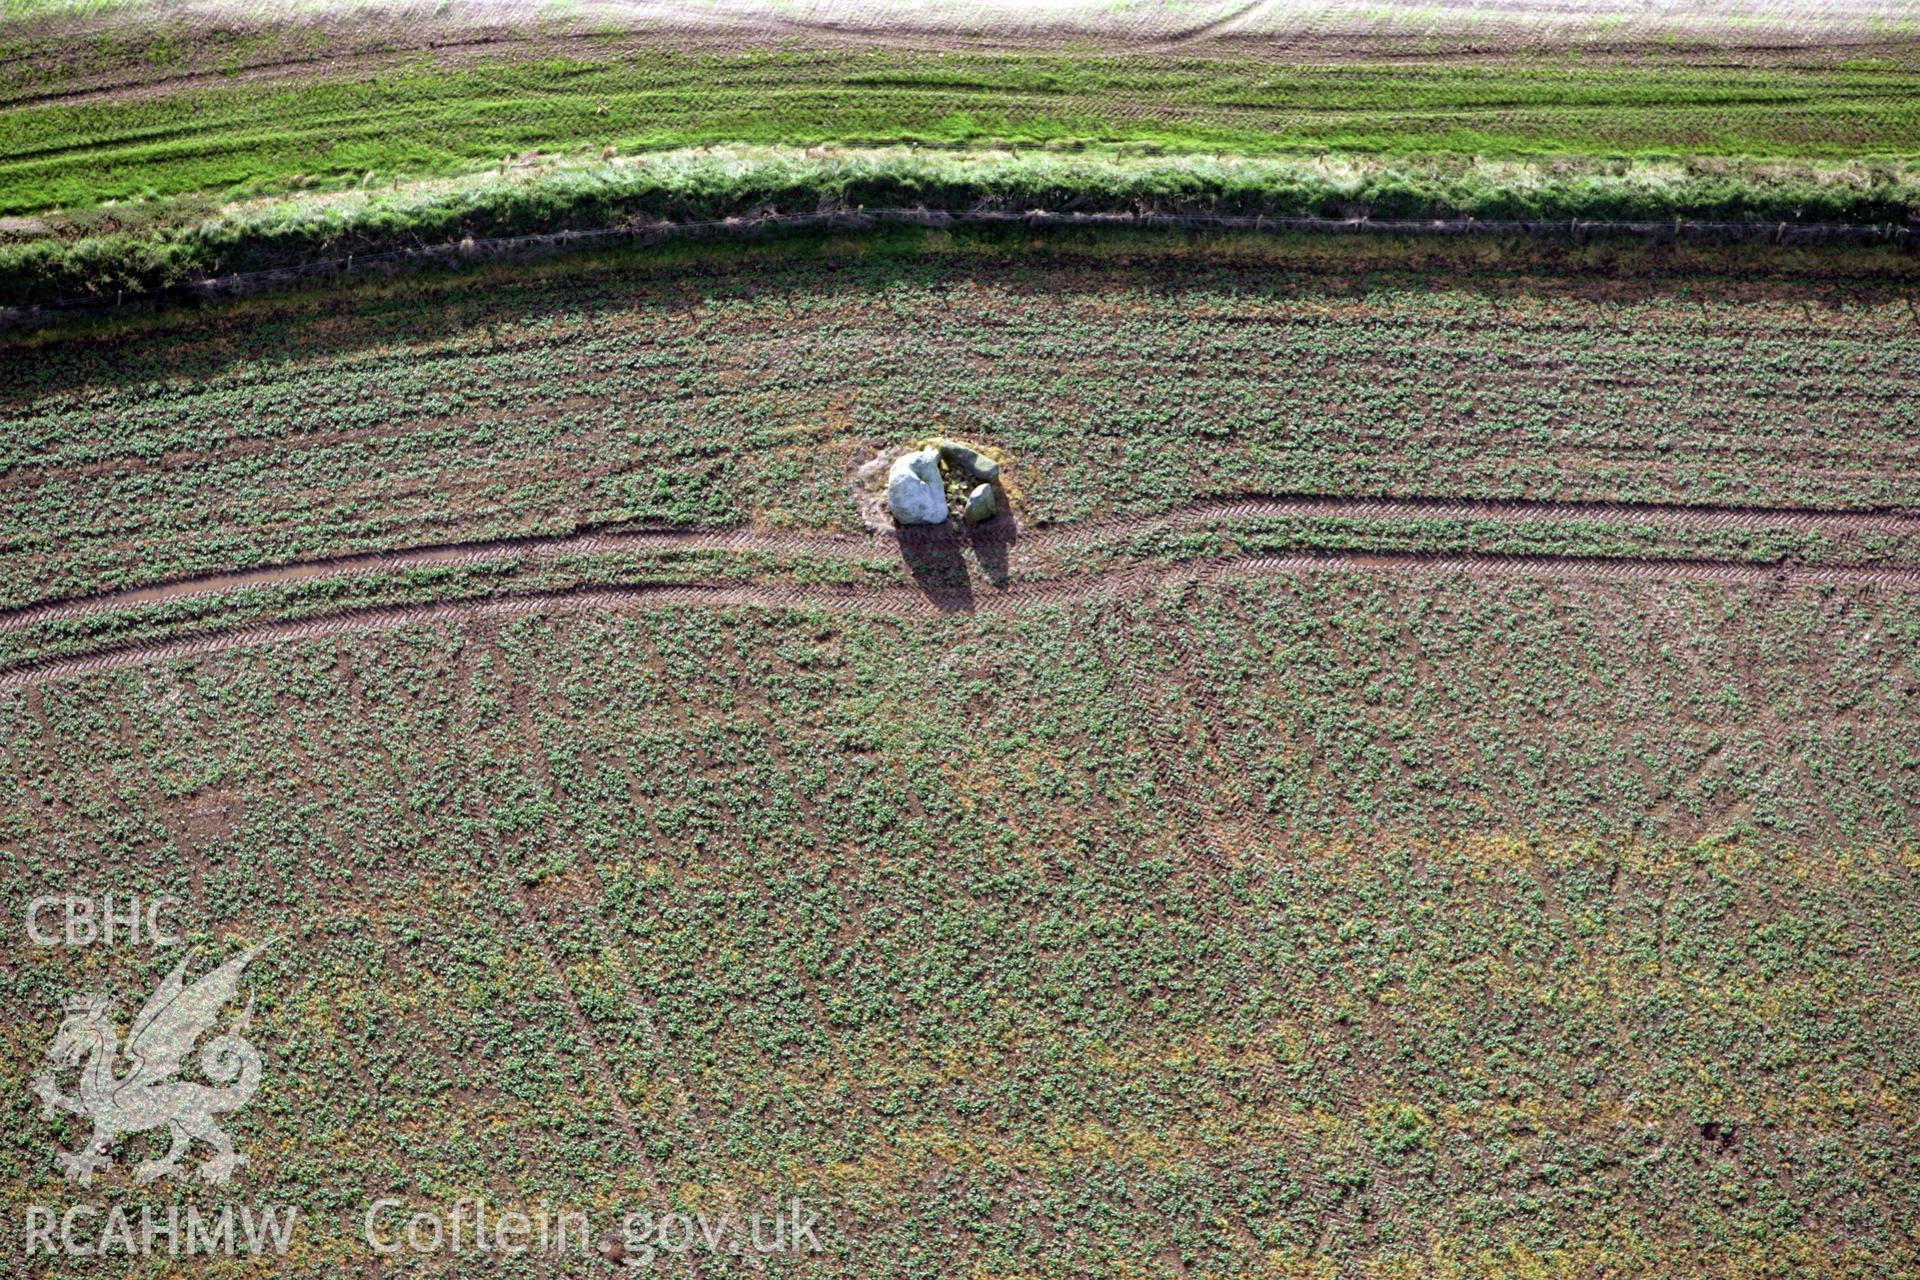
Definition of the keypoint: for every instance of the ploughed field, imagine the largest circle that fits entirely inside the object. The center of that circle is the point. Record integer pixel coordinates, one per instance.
(1421, 782)
(1262, 927)
(734, 390)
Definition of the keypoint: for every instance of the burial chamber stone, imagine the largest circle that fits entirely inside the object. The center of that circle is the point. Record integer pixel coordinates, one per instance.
(915, 492)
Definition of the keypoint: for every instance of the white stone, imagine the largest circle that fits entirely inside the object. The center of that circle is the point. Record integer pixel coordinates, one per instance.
(915, 492)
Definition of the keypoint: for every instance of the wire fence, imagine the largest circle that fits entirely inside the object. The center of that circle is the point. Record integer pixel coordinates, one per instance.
(472, 250)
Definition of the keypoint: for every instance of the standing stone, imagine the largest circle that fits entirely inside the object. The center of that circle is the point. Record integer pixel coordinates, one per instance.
(915, 492)
(981, 504)
(972, 463)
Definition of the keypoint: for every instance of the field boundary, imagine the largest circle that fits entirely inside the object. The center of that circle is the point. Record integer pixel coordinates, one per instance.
(472, 251)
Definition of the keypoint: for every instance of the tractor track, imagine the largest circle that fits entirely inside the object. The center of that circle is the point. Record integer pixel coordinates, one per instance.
(910, 601)
(1243, 31)
(885, 544)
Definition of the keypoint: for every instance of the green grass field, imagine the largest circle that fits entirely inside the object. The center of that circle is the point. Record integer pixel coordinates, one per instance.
(420, 122)
(142, 155)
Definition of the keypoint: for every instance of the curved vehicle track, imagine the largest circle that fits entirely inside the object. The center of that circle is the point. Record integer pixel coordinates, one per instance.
(879, 544)
(904, 600)
(907, 599)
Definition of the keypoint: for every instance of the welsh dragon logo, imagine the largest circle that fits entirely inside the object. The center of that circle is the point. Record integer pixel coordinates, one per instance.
(134, 1088)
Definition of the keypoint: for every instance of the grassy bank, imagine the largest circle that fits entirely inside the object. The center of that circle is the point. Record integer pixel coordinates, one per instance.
(155, 245)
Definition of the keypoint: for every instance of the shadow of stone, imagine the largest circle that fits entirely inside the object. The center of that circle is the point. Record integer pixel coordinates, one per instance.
(992, 541)
(932, 556)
